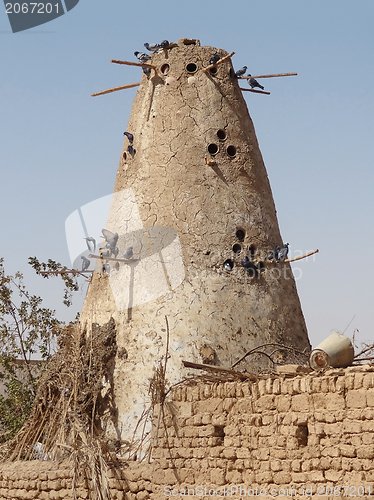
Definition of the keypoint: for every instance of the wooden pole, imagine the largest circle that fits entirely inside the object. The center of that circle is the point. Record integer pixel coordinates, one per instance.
(302, 256)
(130, 63)
(224, 59)
(114, 89)
(71, 271)
(255, 91)
(266, 76)
(127, 261)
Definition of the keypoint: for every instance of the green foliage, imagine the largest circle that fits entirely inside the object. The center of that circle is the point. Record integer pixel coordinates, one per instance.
(56, 268)
(26, 328)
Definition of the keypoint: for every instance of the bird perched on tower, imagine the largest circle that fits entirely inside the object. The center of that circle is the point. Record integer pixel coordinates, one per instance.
(273, 254)
(254, 83)
(249, 267)
(152, 47)
(241, 71)
(142, 57)
(128, 253)
(215, 58)
(91, 240)
(127, 134)
(282, 254)
(85, 264)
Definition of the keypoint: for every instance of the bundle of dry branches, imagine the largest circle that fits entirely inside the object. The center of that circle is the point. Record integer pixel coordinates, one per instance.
(65, 421)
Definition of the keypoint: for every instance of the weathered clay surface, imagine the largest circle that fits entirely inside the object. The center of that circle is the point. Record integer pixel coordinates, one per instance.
(181, 207)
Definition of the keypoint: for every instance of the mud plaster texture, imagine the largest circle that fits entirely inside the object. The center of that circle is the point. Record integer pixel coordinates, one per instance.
(284, 432)
(181, 208)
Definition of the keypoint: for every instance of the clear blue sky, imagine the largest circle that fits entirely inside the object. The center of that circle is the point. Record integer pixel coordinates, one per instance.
(59, 147)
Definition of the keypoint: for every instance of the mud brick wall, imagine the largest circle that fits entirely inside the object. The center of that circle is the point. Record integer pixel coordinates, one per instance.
(45, 480)
(286, 432)
(301, 433)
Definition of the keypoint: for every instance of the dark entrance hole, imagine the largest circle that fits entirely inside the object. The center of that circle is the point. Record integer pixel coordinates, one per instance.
(237, 248)
(213, 70)
(165, 68)
(302, 435)
(252, 249)
(221, 134)
(213, 149)
(191, 67)
(231, 151)
(228, 265)
(240, 234)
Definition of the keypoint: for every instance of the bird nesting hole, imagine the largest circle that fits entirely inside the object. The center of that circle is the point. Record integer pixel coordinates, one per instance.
(231, 151)
(302, 435)
(237, 248)
(221, 134)
(252, 249)
(213, 149)
(228, 265)
(213, 71)
(240, 234)
(191, 67)
(232, 73)
(165, 68)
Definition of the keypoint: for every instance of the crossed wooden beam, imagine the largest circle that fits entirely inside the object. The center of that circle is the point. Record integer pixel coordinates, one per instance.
(205, 70)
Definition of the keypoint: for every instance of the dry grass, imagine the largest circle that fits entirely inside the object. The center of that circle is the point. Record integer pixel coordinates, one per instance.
(65, 421)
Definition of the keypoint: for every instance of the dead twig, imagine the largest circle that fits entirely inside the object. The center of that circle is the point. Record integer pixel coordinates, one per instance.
(267, 76)
(255, 91)
(114, 89)
(302, 256)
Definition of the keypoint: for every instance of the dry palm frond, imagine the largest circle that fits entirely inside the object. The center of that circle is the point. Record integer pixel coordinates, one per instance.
(65, 421)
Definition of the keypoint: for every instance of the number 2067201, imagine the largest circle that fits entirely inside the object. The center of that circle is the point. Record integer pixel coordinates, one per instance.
(344, 491)
(31, 8)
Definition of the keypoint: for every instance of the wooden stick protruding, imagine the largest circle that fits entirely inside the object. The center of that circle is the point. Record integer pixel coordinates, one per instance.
(266, 76)
(255, 91)
(224, 59)
(130, 63)
(302, 256)
(70, 271)
(114, 89)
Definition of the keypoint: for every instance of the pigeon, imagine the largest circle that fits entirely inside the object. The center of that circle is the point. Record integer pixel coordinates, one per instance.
(128, 253)
(90, 240)
(114, 251)
(241, 71)
(106, 268)
(110, 238)
(131, 150)
(85, 264)
(215, 58)
(142, 57)
(127, 134)
(249, 267)
(147, 72)
(152, 47)
(164, 44)
(105, 254)
(274, 254)
(254, 83)
(282, 254)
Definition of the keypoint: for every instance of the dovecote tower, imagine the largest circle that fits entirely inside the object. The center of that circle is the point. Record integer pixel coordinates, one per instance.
(192, 201)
